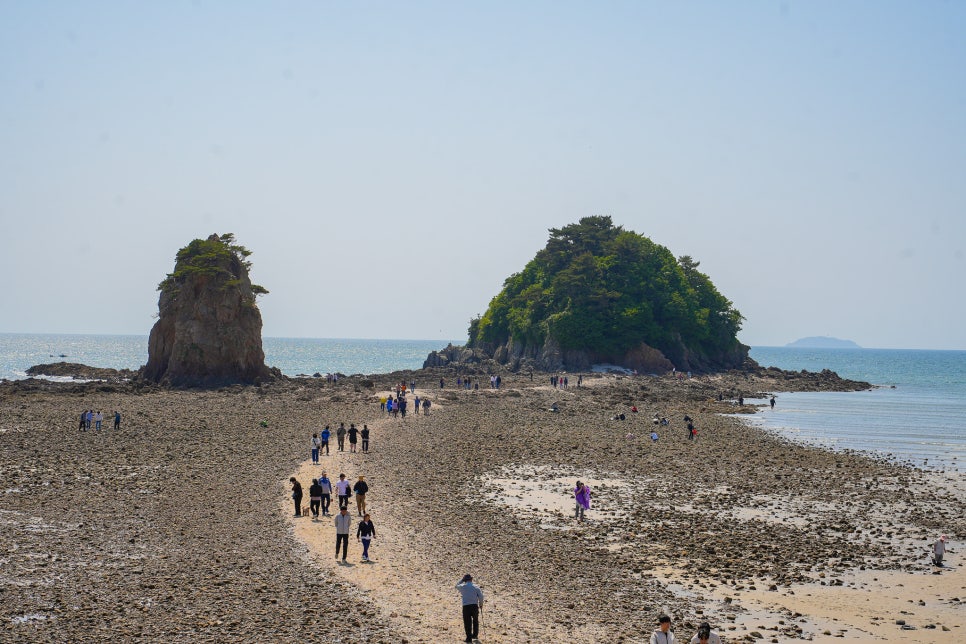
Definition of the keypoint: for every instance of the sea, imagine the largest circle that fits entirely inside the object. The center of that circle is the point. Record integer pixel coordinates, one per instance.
(293, 356)
(915, 413)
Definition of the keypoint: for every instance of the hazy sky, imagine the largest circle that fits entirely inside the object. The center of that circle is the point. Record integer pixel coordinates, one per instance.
(391, 163)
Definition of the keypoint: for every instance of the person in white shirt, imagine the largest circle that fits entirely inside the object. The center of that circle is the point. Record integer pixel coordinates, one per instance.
(472, 598)
(939, 549)
(663, 634)
(316, 444)
(342, 488)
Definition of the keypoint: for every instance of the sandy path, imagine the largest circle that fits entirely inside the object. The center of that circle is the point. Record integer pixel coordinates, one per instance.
(400, 577)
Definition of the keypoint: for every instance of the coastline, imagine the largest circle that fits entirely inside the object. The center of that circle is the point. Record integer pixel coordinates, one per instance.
(692, 526)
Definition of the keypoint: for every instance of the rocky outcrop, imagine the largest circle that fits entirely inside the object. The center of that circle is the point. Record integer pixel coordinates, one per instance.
(209, 330)
(550, 357)
(80, 372)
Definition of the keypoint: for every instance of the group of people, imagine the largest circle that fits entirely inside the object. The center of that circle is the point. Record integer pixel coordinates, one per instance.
(365, 533)
(658, 421)
(90, 418)
(664, 635)
(320, 440)
(563, 382)
(320, 500)
(320, 494)
(398, 406)
(471, 595)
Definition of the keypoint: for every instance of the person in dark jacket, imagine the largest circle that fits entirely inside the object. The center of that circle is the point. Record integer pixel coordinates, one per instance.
(360, 489)
(296, 495)
(315, 498)
(365, 439)
(365, 533)
(353, 437)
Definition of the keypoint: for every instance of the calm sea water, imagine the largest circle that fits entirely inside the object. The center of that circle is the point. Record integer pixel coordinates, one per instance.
(294, 356)
(917, 414)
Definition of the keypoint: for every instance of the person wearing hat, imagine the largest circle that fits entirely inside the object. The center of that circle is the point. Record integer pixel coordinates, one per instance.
(663, 634)
(705, 635)
(472, 598)
(360, 489)
(939, 549)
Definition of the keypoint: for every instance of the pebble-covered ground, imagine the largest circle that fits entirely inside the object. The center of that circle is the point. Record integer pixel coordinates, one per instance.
(171, 529)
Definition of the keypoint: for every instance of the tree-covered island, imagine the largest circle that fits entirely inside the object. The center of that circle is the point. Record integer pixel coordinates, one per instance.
(600, 294)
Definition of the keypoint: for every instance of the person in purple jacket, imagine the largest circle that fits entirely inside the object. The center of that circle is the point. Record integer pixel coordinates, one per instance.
(582, 498)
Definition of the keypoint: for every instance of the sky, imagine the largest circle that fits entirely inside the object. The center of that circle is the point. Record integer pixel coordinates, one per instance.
(390, 164)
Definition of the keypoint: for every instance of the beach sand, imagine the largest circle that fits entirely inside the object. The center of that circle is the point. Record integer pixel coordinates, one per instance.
(180, 527)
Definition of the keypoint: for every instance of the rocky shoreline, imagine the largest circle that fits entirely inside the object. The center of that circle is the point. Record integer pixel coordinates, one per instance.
(171, 529)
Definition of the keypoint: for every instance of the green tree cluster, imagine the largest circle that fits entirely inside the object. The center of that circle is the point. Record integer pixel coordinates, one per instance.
(217, 257)
(600, 288)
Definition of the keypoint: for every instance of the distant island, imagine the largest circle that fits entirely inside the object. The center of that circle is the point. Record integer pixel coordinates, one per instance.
(822, 342)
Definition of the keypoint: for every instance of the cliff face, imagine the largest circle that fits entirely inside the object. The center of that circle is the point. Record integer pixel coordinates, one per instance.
(550, 357)
(209, 330)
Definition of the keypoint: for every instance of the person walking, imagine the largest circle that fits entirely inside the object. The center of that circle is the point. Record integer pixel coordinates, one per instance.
(343, 490)
(83, 424)
(663, 634)
(360, 489)
(582, 500)
(365, 439)
(326, 495)
(472, 598)
(340, 436)
(98, 420)
(353, 437)
(938, 550)
(315, 498)
(324, 437)
(89, 418)
(365, 533)
(343, 521)
(117, 420)
(296, 495)
(316, 445)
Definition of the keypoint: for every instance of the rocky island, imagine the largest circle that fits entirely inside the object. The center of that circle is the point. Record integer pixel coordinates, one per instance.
(209, 329)
(600, 294)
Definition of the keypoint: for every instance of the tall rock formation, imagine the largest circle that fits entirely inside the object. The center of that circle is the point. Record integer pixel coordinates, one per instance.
(209, 330)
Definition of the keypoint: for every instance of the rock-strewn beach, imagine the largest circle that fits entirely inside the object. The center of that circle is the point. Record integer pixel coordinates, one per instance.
(179, 527)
